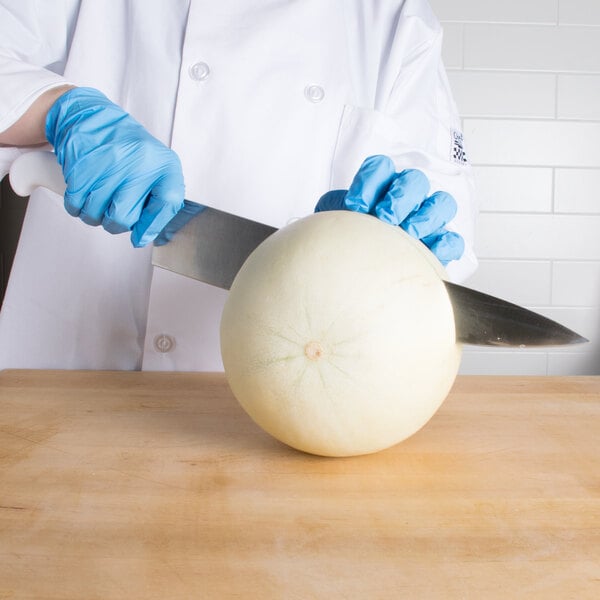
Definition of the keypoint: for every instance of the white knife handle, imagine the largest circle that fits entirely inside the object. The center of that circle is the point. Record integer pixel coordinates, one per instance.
(38, 168)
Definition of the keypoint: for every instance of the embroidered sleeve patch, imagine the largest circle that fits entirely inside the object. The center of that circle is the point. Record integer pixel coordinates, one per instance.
(458, 153)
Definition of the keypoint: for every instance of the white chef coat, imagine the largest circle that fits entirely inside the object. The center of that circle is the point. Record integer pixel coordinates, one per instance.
(268, 104)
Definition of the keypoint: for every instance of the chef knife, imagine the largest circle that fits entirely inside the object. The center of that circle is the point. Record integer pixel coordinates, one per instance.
(214, 244)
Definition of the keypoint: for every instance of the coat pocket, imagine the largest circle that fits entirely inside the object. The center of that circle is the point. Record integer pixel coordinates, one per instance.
(364, 132)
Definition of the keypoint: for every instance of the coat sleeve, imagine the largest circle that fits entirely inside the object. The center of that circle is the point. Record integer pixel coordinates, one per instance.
(409, 114)
(34, 42)
(426, 120)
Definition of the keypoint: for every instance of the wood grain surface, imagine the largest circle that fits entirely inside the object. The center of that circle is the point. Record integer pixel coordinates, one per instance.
(157, 485)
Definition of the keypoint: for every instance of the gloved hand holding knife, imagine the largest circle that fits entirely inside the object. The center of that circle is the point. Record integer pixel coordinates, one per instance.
(117, 174)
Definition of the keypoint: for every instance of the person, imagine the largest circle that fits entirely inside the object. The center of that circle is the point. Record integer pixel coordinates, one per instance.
(262, 109)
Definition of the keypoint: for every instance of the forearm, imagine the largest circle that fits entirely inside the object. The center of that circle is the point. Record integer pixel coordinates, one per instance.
(29, 130)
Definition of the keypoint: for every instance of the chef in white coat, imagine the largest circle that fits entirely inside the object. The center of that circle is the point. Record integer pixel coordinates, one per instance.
(267, 106)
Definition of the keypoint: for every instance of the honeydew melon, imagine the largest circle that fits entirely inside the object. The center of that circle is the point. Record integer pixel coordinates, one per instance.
(338, 335)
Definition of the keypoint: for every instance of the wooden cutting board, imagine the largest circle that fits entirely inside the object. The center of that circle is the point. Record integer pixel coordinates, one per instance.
(157, 485)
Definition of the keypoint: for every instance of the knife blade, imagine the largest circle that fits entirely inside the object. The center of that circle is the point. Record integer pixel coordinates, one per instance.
(484, 320)
(214, 245)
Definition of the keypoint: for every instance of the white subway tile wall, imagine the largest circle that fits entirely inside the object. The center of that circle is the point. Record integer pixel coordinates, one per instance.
(498, 94)
(526, 78)
(453, 45)
(578, 12)
(493, 11)
(578, 96)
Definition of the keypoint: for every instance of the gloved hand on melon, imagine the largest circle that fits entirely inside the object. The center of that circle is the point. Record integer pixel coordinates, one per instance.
(401, 199)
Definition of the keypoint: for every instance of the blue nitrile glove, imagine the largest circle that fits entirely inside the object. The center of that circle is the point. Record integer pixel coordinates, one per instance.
(117, 174)
(401, 199)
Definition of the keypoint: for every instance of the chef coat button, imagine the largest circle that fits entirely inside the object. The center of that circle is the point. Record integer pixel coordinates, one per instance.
(314, 93)
(164, 343)
(199, 71)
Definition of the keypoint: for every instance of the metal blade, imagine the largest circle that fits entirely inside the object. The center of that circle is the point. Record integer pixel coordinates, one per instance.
(485, 320)
(213, 246)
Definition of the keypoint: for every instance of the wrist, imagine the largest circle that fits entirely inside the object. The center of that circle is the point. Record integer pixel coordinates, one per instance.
(79, 111)
(29, 129)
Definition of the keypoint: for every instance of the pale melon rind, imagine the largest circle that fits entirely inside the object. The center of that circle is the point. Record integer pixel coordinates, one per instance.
(338, 336)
